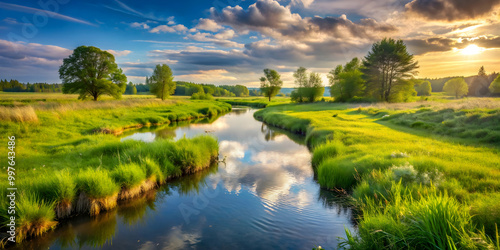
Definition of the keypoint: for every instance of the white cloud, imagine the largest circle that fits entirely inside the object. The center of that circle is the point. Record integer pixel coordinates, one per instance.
(208, 24)
(118, 53)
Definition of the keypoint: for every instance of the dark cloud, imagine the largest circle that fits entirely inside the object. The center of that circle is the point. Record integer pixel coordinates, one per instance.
(451, 10)
(441, 44)
(274, 20)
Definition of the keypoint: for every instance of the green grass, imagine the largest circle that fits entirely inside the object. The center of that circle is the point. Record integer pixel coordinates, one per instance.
(360, 150)
(256, 102)
(96, 183)
(128, 175)
(66, 147)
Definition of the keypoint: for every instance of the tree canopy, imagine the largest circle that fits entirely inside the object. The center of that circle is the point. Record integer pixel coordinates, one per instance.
(386, 68)
(91, 72)
(309, 86)
(346, 82)
(270, 83)
(162, 82)
(495, 86)
(457, 87)
(423, 88)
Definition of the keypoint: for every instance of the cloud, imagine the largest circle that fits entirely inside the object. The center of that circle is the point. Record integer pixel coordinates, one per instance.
(222, 38)
(142, 25)
(451, 10)
(30, 10)
(441, 44)
(20, 60)
(272, 19)
(168, 29)
(124, 8)
(208, 24)
(118, 53)
(207, 75)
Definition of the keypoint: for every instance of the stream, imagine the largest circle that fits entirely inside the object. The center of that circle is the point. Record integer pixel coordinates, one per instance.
(263, 196)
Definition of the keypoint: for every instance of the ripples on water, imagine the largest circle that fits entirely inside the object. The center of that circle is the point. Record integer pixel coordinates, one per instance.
(263, 197)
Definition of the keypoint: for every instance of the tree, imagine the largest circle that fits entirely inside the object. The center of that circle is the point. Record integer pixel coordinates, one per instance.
(479, 84)
(162, 82)
(387, 65)
(347, 81)
(91, 72)
(495, 86)
(270, 83)
(456, 86)
(424, 88)
(309, 86)
(131, 89)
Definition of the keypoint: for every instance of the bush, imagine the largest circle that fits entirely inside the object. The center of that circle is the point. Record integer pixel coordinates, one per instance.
(201, 96)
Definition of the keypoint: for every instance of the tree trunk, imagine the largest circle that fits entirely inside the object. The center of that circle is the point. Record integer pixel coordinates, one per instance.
(269, 98)
(95, 97)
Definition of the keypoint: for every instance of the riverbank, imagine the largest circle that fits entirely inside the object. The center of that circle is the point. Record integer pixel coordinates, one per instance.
(395, 173)
(68, 160)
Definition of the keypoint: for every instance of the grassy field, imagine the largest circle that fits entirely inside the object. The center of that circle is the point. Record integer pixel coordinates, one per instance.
(417, 184)
(69, 159)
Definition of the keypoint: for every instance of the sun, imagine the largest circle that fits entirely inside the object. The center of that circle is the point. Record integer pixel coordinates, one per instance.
(471, 50)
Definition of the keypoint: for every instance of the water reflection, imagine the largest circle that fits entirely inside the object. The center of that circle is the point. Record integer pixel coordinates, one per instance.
(263, 196)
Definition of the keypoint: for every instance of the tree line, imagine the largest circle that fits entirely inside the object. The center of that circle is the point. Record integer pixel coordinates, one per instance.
(40, 87)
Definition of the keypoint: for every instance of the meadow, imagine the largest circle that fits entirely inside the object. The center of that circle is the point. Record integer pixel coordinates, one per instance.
(424, 175)
(70, 161)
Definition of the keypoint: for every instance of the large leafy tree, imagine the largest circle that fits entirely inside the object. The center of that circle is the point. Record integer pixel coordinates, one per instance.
(424, 88)
(386, 66)
(270, 83)
(92, 72)
(347, 81)
(457, 87)
(162, 82)
(495, 86)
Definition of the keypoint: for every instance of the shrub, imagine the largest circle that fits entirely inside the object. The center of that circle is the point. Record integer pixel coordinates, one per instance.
(202, 96)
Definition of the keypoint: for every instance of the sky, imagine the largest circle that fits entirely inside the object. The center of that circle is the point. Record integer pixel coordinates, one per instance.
(232, 41)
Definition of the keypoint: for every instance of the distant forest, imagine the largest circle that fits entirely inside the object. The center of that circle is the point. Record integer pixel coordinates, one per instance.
(16, 86)
(478, 86)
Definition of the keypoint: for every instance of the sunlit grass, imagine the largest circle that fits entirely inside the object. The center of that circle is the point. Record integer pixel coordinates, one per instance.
(363, 152)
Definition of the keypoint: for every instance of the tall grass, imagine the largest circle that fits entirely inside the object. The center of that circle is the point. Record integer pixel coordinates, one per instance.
(18, 114)
(96, 183)
(34, 216)
(128, 175)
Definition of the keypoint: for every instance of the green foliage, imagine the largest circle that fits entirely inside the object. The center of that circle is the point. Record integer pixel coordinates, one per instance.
(309, 86)
(128, 175)
(92, 72)
(153, 170)
(201, 96)
(346, 82)
(386, 68)
(96, 183)
(423, 88)
(456, 87)
(495, 86)
(131, 89)
(270, 83)
(162, 82)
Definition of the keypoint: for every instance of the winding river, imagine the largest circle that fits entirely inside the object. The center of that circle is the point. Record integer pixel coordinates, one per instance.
(263, 196)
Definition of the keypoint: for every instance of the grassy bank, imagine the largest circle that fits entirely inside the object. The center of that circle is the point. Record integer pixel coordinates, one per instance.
(255, 102)
(405, 180)
(68, 159)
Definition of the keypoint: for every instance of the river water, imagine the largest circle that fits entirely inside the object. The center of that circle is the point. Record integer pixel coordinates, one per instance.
(263, 196)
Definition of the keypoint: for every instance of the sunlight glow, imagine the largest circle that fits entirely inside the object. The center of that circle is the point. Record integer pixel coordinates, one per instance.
(471, 50)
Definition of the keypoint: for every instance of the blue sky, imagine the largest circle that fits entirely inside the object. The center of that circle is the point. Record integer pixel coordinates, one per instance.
(231, 41)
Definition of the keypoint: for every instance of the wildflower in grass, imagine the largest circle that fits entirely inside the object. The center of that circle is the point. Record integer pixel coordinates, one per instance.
(398, 154)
